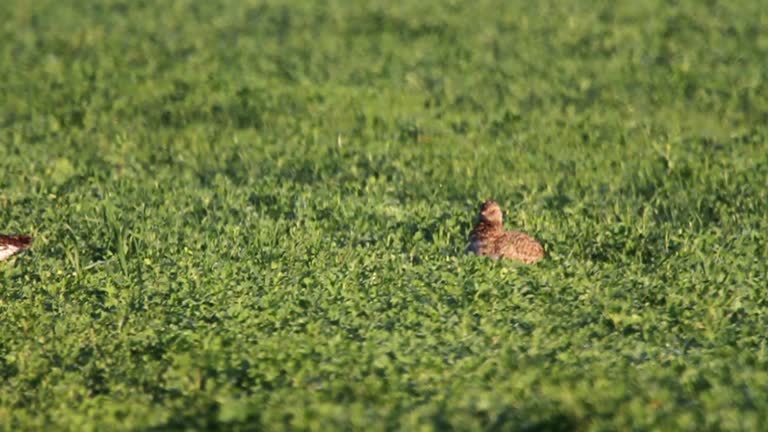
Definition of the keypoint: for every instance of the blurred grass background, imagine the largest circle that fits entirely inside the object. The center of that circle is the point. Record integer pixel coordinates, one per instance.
(251, 215)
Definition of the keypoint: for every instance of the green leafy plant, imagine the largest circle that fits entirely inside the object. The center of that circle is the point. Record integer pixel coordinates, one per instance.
(252, 215)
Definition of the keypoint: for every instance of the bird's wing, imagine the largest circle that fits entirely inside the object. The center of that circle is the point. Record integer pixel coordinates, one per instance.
(517, 245)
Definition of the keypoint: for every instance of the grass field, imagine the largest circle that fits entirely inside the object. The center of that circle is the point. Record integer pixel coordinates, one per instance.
(251, 215)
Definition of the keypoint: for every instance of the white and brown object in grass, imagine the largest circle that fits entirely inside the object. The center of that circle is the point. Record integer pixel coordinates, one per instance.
(489, 238)
(12, 244)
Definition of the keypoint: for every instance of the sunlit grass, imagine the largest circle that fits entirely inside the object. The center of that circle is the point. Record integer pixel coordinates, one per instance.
(252, 215)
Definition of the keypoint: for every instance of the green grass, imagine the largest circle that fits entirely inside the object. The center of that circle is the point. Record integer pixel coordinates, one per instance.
(251, 215)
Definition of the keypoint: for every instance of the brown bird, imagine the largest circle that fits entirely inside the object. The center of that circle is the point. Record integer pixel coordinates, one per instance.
(12, 244)
(488, 238)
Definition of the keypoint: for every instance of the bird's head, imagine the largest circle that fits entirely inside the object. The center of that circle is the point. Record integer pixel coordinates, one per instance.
(490, 212)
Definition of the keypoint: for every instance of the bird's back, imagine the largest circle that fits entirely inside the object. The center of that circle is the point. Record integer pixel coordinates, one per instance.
(519, 246)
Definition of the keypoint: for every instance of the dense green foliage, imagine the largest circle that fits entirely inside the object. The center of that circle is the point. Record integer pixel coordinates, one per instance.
(252, 214)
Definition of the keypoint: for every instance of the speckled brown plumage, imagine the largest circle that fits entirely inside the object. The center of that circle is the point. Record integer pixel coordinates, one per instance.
(489, 238)
(12, 244)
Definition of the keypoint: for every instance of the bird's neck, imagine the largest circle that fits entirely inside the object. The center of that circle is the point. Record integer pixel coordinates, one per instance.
(485, 226)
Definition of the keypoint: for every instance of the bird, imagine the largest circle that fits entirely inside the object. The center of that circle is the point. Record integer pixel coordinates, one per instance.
(12, 244)
(488, 238)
